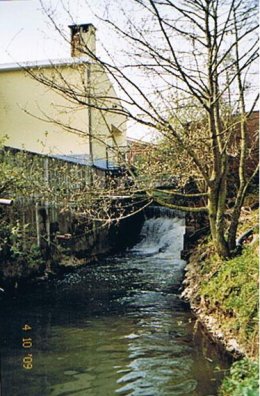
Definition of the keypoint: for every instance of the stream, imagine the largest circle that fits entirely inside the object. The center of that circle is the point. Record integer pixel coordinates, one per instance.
(116, 327)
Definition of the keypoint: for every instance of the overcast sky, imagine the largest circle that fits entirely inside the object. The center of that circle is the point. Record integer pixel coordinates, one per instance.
(26, 33)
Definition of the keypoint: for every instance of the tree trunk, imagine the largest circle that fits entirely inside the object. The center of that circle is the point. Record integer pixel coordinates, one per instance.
(236, 211)
(216, 218)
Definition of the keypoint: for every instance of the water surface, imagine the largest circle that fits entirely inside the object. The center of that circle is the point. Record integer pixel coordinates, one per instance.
(114, 328)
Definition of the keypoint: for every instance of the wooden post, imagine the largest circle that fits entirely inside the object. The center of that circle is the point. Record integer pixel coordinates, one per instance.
(23, 225)
(46, 170)
(46, 204)
(38, 233)
(48, 227)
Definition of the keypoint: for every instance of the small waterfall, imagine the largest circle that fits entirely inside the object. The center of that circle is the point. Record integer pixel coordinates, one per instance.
(162, 234)
(161, 211)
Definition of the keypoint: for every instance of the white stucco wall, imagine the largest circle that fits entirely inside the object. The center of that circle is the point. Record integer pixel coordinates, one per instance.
(38, 119)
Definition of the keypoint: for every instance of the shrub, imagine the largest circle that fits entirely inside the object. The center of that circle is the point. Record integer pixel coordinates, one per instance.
(243, 379)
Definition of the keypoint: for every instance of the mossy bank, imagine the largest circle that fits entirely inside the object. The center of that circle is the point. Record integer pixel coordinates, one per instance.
(224, 296)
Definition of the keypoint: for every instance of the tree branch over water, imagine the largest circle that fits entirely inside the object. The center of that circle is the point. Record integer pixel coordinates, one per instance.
(184, 70)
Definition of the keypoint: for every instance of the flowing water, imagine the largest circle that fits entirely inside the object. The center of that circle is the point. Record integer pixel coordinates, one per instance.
(114, 328)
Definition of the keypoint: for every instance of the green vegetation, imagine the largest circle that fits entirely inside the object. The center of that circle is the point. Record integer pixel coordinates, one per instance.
(231, 291)
(19, 258)
(227, 290)
(243, 379)
(50, 197)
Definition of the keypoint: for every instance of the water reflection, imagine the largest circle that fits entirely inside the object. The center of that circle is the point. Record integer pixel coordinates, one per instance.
(116, 328)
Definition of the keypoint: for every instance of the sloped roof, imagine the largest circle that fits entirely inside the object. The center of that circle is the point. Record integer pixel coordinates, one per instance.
(44, 63)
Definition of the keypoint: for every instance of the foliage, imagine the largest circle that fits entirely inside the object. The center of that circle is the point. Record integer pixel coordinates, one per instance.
(52, 187)
(226, 291)
(19, 256)
(27, 177)
(242, 380)
(232, 290)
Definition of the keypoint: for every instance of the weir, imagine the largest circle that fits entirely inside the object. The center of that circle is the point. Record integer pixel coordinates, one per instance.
(116, 327)
(162, 234)
(161, 211)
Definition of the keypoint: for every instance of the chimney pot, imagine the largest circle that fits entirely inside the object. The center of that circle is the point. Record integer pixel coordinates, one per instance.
(83, 40)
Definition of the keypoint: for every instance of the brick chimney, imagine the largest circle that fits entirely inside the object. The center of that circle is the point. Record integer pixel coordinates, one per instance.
(83, 39)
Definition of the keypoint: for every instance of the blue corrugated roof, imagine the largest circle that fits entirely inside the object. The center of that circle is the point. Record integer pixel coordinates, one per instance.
(84, 159)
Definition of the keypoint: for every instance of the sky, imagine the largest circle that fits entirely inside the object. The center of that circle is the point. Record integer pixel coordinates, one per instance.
(27, 34)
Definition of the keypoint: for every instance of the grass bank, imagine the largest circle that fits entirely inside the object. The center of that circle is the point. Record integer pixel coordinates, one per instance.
(224, 295)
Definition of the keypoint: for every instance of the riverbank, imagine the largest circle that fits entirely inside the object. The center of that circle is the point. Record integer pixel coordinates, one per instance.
(117, 327)
(224, 295)
(23, 264)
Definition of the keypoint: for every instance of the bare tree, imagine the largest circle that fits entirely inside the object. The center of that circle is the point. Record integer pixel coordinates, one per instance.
(186, 73)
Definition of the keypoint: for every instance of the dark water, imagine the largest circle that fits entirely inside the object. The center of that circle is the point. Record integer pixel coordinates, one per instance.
(116, 328)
